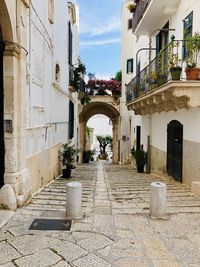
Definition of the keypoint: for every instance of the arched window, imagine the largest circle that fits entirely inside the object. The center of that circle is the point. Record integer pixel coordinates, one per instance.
(57, 73)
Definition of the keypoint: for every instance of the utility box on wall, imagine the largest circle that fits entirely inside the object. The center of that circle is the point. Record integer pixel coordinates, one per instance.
(8, 126)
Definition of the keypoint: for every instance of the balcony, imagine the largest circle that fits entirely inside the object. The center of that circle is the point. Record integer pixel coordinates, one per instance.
(152, 14)
(157, 89)
(76, 83)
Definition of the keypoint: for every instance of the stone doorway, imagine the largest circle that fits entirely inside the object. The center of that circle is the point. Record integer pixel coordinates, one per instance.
(175, 149)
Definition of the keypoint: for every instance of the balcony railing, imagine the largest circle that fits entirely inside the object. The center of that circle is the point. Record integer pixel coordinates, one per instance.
(139, 11)
(161, 70)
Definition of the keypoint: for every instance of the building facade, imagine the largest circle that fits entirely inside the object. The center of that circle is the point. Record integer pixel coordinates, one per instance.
(39, 45)
(130, 45)
(168, 106)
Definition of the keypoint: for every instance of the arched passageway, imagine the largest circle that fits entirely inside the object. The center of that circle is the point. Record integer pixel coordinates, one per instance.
(13, 85)
(106, 109)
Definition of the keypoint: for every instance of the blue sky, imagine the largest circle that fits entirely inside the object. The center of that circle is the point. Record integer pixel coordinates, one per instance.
(100, 36)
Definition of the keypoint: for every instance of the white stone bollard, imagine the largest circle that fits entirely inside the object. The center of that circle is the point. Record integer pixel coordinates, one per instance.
(73, 200)
(158, 200)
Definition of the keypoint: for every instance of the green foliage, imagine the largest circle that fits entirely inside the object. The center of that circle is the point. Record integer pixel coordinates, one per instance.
(77, 75)
(104, 140)
(68, 155)
(85, 100)
(87, 130)
(81, 68)
(88, 155)
(173, 57)
(118, 76)
(193, 48)
(140, 157)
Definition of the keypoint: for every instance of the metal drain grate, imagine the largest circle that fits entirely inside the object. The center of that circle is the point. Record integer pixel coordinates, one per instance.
(51, 224)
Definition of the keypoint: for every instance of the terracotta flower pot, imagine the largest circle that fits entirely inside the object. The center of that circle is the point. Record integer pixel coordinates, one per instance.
(193, 74)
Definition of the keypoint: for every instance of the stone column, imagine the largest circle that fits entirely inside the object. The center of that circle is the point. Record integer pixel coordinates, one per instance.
(115, 142)
(82, 139)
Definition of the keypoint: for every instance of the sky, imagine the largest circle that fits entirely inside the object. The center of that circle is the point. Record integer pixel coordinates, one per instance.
(99, 37)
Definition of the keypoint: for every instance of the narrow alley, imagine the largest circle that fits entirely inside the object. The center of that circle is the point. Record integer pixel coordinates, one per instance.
(115, 230)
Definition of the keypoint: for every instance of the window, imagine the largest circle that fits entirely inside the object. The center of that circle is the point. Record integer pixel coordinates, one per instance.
(130, 24)
(71, 119)
(51, 11)
(70, 36)
(187, 31)
(57, 73)
(129, 66)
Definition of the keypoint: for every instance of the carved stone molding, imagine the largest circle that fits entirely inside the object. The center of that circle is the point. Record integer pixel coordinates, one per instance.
(26, 3)
(12, 49)
(171, 96)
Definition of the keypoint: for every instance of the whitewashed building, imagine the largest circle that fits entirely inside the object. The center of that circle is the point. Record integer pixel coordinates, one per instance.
(130, 123)
(38, 48)
(169, 109)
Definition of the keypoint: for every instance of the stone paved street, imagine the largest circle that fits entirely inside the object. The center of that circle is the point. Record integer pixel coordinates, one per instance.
(116, 229)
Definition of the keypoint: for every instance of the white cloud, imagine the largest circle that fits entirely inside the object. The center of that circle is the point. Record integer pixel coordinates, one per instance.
(94, 28)
(104, 76)
(100, 42)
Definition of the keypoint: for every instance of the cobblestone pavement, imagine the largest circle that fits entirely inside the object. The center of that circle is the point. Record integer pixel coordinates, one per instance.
(116, 229)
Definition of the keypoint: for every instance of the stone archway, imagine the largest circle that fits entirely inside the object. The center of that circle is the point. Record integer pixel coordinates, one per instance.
(6, 34)
(14, 36)
(106, 109)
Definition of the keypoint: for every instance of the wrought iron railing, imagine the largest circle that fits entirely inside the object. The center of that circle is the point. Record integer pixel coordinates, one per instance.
(162, 68)
(141, 6)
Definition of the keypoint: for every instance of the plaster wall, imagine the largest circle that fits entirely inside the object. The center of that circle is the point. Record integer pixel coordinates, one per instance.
(156, 126)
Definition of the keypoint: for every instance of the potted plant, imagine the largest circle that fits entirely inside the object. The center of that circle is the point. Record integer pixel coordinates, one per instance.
(68, 155)
(104, 141)
(88, 155)
(174, 67)
(193, 59)
(132, 7)
(140, 158)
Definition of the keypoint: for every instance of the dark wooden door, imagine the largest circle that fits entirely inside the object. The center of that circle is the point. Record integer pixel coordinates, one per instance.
(138, 137)
(175, 149)
(2, 160)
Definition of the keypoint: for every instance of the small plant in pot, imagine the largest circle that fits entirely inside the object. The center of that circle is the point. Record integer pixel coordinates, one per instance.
(140, 158)
(174, 67)
(193, 59)
(132, 7)
(68, 156)
(88, 155)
